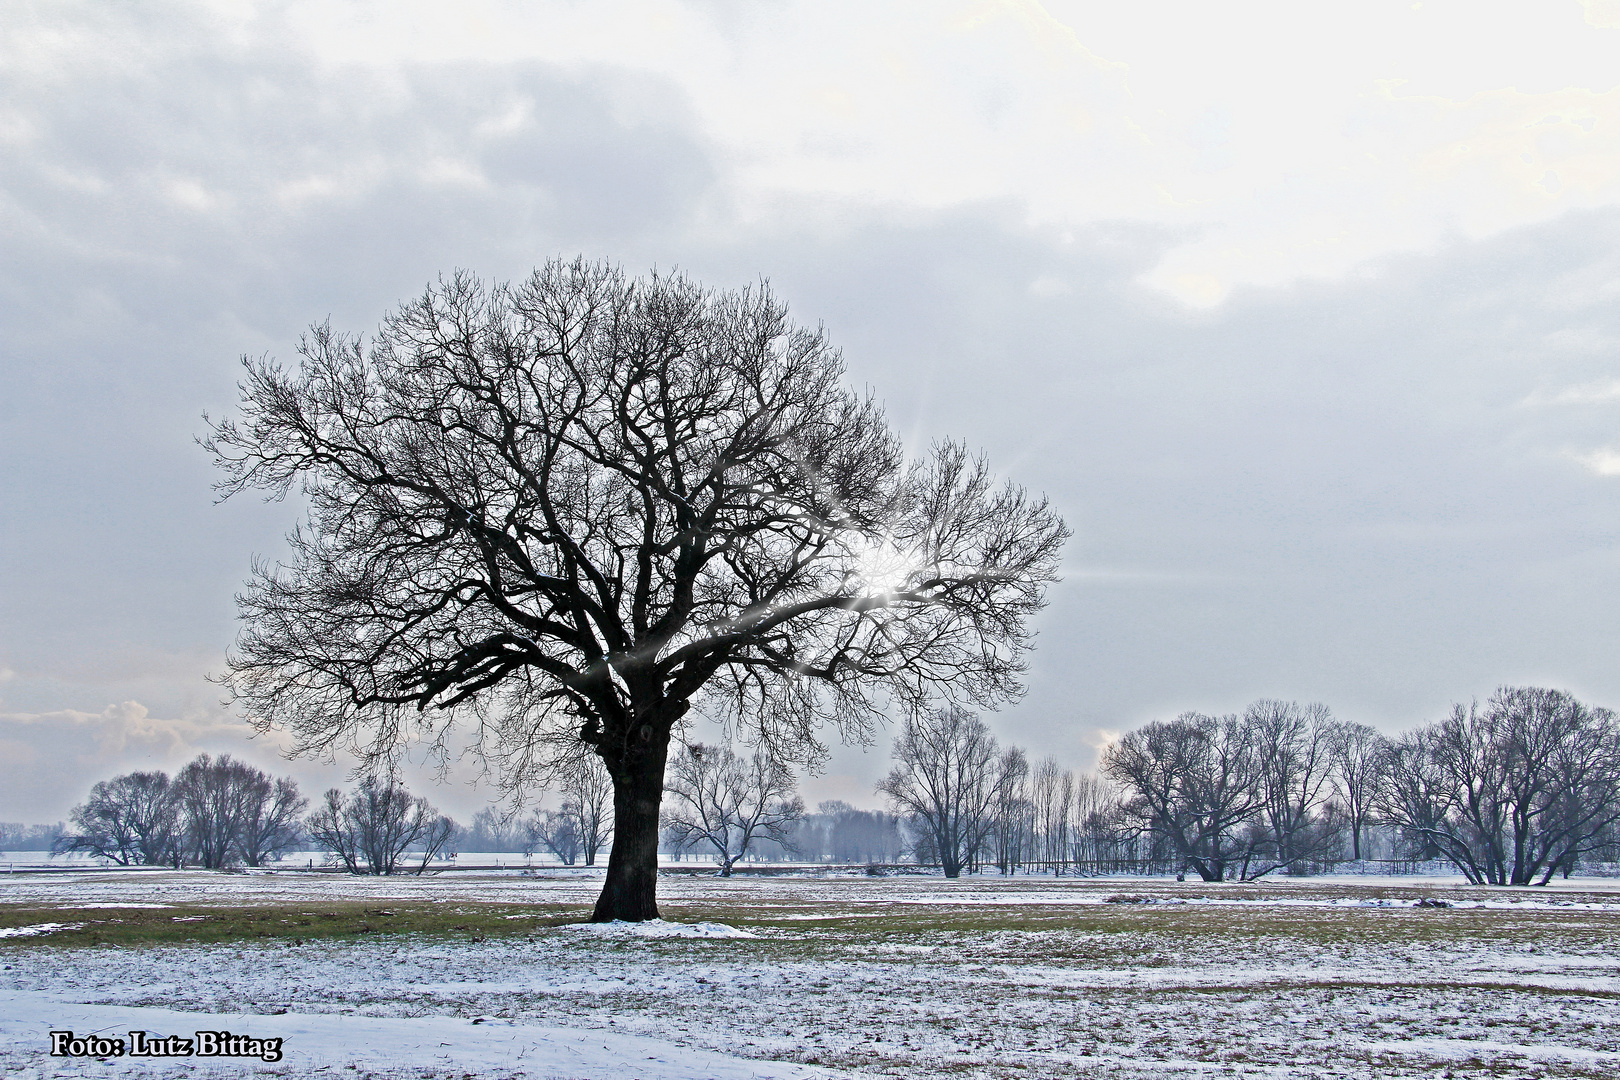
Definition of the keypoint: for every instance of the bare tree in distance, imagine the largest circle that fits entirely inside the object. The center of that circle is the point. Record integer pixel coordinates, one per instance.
(208, 794)
(558, 832)
(1360, 755)
(575, 508)
(1294, 749)
(1101, 830)
(1193, 781)
(372, 829)
(231, 811)
(336, 829)
(1015, 824)
(1053, 796)
(587, 800)
(272, 818)
(131, 819)
(947, 778)
(1511, 792)
(1415, 797)
(725, 802)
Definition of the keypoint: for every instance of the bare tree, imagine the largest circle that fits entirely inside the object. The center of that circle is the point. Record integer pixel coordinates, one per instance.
(372, 829)
(131, 819)
(587, 793)
(1103, 836)
(210, 809)
(231, 811)
(946, 778)
(558, 832)
(271, 820)
(1416, 797)
(337, 830)
(1512, 792)
(1194, 782)
(1293, 745)
(726, 802)
(1359, 755)
(574, 508)
(1053, 796)
(1014, 824)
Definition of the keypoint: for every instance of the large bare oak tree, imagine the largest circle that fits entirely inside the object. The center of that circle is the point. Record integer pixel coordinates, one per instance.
(575, 508)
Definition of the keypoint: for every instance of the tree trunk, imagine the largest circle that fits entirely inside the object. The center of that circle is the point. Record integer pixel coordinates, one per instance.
(949, 861)
(630, 892)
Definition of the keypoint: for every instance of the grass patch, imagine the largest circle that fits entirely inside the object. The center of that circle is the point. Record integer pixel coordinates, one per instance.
(293, 923)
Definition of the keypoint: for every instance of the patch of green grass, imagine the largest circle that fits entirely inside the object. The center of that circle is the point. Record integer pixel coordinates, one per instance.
(1137, 935)
(293, 923)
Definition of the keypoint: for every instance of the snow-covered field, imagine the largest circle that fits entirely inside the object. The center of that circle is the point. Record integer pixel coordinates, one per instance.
(847, 976)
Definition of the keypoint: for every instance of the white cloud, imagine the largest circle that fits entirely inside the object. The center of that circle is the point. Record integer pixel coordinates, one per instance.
(1604, 461)
(119, 732)
(54, 757)
(1286, 140)
(1100, 739)
(1602, 13)
(966, 193)
(1594, 393)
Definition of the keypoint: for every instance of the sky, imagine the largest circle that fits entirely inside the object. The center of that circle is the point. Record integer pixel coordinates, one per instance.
(1304, 316)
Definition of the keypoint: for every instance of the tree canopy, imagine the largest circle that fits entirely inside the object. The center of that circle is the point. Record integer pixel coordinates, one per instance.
(570, 510)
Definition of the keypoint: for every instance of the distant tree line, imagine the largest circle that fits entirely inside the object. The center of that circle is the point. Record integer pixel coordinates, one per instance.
(580, 829)
(1511, 792)
(967, 803)
(213, 813)
(220, 813)
(839, 833)
(15, 836)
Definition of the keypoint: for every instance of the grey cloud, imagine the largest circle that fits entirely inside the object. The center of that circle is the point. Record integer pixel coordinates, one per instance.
(213, 200)
(1334, 491)
(1329, 491)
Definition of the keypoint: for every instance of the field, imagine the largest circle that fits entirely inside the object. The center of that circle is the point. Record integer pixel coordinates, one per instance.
(493, 976)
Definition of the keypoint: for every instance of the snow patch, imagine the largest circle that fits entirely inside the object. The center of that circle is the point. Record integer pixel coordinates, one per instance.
(660, 928)
(322, 1044)
(39, 928)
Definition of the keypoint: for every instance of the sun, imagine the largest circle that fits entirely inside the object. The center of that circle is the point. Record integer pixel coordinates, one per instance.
(881, 566)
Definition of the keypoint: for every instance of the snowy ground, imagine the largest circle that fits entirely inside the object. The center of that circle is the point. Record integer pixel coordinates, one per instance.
(851, 976)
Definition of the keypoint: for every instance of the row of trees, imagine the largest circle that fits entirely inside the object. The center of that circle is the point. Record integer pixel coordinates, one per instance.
(222, 812)
(968, 803)
(1511, 792)
(580, 828)
(213, 813)
(15, 836)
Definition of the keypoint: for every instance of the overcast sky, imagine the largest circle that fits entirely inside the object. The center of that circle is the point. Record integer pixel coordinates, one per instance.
(1305, 316)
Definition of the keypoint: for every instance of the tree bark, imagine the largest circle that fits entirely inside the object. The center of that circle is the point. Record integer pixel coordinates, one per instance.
(630, 892)
(949, 861)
